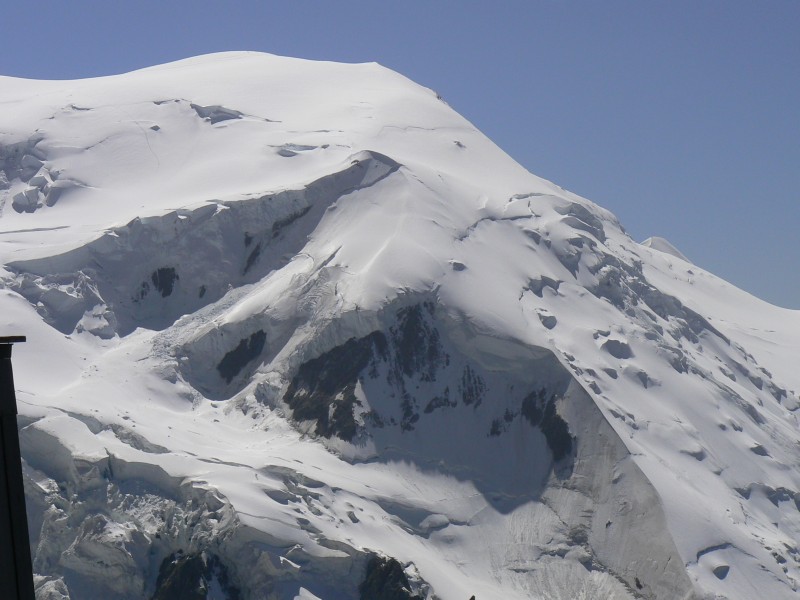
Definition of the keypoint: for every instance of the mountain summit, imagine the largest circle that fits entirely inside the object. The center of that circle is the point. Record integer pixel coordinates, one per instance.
(297, 330)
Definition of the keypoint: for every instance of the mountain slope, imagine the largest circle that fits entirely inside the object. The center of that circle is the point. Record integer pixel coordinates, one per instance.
(298, 328)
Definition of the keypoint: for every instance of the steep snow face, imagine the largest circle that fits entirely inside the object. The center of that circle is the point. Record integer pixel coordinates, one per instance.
(306, 333)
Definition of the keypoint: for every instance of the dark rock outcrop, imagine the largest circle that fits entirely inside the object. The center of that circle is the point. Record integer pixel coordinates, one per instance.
(385, 580)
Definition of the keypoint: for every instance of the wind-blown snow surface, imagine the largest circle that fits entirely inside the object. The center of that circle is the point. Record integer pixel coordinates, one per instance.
(287, 316)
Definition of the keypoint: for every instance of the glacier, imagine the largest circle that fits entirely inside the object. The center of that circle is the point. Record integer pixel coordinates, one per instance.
(298, 330)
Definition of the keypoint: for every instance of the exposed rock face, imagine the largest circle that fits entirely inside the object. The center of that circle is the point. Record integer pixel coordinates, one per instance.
(540, 411)
(324, 388)
(246, 351)
(193, 577)
(385, 580)
(383, 380)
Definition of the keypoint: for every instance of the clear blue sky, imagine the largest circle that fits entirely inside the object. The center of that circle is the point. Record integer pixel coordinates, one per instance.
(682, 117)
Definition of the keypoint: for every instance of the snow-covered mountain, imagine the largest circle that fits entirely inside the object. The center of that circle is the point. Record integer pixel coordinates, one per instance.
(298, 330)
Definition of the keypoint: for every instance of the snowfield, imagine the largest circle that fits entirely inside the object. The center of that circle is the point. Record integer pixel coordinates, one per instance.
(297, 330)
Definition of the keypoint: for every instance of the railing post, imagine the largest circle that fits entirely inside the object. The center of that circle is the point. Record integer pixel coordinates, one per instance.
(16, 570)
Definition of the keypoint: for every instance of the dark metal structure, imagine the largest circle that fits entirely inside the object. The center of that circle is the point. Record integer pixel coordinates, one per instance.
(16, 570)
